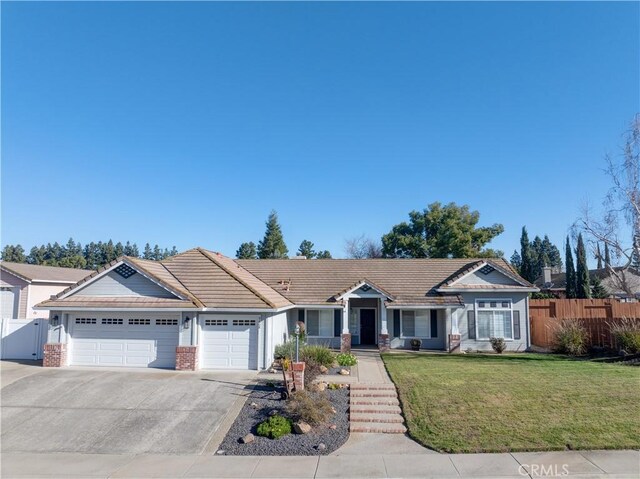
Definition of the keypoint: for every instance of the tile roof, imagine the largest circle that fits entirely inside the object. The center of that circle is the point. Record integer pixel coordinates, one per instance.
(39, 273)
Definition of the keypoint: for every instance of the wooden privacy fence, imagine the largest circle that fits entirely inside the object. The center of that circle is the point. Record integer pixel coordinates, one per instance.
(595, 314)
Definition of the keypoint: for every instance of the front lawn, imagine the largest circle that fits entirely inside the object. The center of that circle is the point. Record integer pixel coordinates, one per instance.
(516, 402)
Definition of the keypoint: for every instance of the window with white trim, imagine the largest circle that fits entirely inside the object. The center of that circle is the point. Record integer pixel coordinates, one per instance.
(415, 323)
(319, 323)
(494, 319)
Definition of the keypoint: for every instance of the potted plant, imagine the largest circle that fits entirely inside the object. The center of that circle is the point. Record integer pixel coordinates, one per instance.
(415, 344)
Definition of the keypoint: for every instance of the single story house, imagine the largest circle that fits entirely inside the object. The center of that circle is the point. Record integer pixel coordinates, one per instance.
(22, 286)
(200, 309)
(555, 282)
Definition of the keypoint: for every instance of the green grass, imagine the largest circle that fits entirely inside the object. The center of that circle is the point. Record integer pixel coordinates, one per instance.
(516, 402)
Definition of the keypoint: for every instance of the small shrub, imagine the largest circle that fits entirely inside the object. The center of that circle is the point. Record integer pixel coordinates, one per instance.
(626, 333)
(311, 371)
(275, 427)
(320, 354)
(570, 337)
(498, 345)
(415, 344)
(312, 408)
(333, 386)
(346, 359)
(285, 351)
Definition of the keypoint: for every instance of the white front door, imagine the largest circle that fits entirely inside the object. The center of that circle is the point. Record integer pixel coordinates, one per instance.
(229, 341)
(129, 340)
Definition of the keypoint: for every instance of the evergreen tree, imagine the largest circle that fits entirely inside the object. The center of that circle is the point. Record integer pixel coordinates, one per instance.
(607, 256)
(583, 284)
(247, 251)
(108, 252)
(92, 255)
(306, 249)
(527, 267)
(157, 253)
(36, 255)
(539, 257)
(571, 272)
(272, 245)
(119, 249)
(516, 261)
(325, 254)
(552, 253)
(598, 291)
(174, 251)
(148, 252)
(598, 256)
(14, 254)
(131, 250)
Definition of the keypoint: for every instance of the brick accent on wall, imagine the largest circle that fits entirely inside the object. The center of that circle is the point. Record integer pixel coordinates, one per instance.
(345, 343)
(55, 355)
(298, 375)
(384, 343)
(186, 358)
(454, 343)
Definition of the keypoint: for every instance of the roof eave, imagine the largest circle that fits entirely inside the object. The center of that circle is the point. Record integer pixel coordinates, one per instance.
(516, 289)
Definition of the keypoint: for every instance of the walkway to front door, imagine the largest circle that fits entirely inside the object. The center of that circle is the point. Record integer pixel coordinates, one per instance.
(367, 326)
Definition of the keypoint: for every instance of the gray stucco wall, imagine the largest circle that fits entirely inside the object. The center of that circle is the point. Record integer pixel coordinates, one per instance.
(519, 303)
(437, 343)
(112, 284)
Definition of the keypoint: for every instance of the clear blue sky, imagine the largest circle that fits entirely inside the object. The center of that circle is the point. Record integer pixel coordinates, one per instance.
(185, 124)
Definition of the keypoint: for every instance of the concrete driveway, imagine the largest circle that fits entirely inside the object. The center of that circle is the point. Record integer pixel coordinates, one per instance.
(109, 411)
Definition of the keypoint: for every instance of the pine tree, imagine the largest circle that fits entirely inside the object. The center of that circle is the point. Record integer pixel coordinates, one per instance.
(119, 249)
(14, 254)
(92, 255)
(516, 261)
(108, 252)
(131, 250)
(607, 256)
(598, 256)
(174, 251)
(527, 268)
(325, 254)
(247, 251)
(539, 258)
(571, 272)
(306, 249)
(583, 284)
(36, 255)
(552, 253)
(598, 291)
(148, 252)
(157, 253)
(272, 245)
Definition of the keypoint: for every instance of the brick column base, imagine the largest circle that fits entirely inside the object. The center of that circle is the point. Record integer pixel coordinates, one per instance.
(55, 355)
(345, 343)
(298, 375)
(186, 358)
(454, 343)
(384, 343)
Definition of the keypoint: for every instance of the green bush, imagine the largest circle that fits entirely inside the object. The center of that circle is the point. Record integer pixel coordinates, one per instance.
(498, 345)
(311, 407)
(346, 359)
(570, 337)
(319, 354)
(275, 427)
(626, 333)
(285, 351)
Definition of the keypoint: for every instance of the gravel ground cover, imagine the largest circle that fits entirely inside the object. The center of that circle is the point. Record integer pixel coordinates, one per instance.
(269, 399)
(336, 370)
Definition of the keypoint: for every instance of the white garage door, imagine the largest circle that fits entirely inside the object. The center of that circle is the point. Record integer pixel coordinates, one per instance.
(113, 339)
(230, 342)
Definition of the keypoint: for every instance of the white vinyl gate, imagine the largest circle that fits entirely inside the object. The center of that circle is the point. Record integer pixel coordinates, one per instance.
(229, 342)
(23, 338)
(115, 339)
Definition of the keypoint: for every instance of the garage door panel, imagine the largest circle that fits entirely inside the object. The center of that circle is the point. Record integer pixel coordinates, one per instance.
(230, 342)
(118, 343)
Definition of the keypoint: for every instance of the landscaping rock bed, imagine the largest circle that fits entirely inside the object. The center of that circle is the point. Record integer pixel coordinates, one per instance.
(261, 403)
(337, 370)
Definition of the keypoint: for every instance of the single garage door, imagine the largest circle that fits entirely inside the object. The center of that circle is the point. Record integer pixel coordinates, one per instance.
(114, 339)
(230, 342)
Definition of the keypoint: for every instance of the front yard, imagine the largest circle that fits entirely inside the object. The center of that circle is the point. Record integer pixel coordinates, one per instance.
(523, 402)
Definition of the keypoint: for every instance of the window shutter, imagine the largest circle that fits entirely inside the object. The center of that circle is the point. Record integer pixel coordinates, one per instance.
(337, 326)
(434, 323)
(396, 323)
(471, 324)
(301, 315)
(516, 324)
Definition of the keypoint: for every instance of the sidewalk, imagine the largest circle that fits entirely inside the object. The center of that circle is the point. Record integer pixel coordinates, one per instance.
(570, 465)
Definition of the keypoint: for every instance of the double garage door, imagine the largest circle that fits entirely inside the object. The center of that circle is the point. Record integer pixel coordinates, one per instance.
(124, 340)
(113, 339)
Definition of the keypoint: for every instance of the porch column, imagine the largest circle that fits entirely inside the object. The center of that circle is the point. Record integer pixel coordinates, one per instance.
(345, 338)
(383, 339)
(453, 338)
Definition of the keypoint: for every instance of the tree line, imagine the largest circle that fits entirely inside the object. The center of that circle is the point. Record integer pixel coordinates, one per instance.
(73, 255)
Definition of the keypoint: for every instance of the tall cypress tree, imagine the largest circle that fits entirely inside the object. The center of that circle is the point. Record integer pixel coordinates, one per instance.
(598, 256)
(272, 245)
(571, 272)
(526, 268)
(583, 284)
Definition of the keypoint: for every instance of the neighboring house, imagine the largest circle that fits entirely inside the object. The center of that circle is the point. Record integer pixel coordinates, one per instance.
(22, 286)
(200, 309)
(556, 283)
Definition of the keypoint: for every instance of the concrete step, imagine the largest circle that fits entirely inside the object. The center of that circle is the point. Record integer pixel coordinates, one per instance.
(372, 427)
(374, 409)
(374, 401)
(386, 393)
(376, 418)
(368, 387)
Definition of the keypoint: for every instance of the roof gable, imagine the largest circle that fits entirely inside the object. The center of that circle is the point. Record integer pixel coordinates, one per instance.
(486, 274)
(363, 288)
